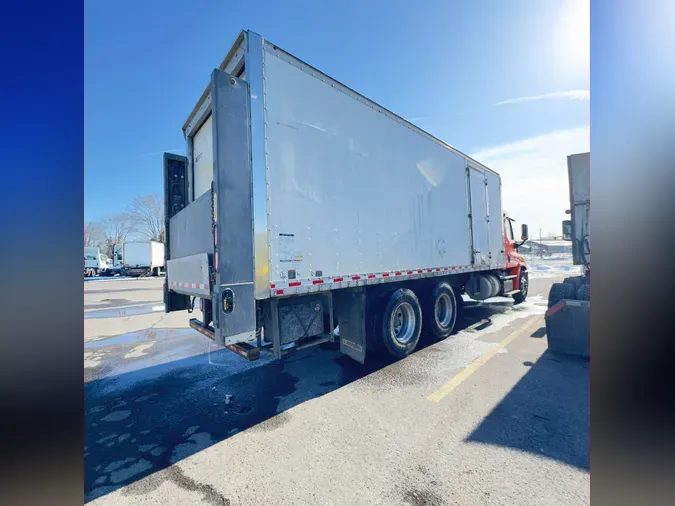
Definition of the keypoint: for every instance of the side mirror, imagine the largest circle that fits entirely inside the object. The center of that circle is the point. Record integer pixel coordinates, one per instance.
(567, 230)
(524, 236)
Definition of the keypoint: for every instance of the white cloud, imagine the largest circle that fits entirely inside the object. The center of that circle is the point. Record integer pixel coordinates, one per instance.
(534, 176)
(568, 95)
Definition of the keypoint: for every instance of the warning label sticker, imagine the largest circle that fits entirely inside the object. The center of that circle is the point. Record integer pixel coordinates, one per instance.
(286, 247)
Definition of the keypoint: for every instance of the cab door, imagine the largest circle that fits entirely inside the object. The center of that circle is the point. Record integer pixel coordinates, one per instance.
(513, 258)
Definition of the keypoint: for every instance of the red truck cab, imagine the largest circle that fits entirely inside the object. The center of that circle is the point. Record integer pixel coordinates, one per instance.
(515, 263)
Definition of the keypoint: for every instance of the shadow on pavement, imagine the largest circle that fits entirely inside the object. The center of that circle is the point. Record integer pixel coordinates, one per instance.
(547, 413)
(142, 421)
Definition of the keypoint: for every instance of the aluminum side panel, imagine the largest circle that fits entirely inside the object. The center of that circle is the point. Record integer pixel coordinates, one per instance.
(233, 295)
(496, 224)
(350, 189)
(190, 229)
(189, 275)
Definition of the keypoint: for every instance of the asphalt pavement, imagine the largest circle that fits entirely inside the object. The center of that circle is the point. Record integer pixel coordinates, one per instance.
(488, 416)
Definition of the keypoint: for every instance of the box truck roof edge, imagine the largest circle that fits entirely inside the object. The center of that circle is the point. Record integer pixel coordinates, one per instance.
(234, 61)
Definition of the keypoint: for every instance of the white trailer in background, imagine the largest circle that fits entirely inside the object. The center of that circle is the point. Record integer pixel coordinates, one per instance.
(140, 258)
(302, 204)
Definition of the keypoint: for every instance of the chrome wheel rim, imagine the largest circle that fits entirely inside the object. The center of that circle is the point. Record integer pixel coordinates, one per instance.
(403, 323)
(443, 310)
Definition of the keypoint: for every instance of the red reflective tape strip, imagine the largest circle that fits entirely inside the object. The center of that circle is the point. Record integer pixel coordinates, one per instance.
(555, 308)
(371, 276)
(453, 268)
(419, 271)
(397, 274)
(409, 272)
(385, 275)
(337, 280)
(356, 278)
(317, 281)
(428, 270)
(272, 285)
(438, 269)
(445, 269)
(280, 292)
(294, 283)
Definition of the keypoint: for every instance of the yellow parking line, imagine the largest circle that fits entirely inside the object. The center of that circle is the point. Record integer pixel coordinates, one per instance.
(472, 368)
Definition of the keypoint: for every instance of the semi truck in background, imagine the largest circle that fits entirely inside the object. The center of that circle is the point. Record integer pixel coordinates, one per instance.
(569, 302)
(303, 206)
(94, 262)
(138, 258)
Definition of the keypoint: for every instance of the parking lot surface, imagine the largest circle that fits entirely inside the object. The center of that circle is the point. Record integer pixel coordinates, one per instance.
(488, 416)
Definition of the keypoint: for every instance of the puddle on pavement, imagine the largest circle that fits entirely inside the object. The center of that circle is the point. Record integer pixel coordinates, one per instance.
(125, 311)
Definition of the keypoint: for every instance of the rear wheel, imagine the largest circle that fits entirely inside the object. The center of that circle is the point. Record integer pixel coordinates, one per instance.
(584, 292)
(440, 311)
(524, 286)
(560, 291)
(575, 281)
(401, 323)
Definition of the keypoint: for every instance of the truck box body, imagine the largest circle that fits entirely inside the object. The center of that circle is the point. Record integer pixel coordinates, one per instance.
(143, 254)
(315, 188)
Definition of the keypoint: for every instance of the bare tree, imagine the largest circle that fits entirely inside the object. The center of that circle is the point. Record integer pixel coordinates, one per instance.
(94, 236)
(147, 214)
(116, 228)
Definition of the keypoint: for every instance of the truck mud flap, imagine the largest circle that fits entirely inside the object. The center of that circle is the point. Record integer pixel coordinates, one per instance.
(352, 322)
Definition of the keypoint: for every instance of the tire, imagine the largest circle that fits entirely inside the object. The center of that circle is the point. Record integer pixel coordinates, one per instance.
(576, 282)
(401, 323)
(523, 281)
(558, 292)
(584, 292)
(440, 312)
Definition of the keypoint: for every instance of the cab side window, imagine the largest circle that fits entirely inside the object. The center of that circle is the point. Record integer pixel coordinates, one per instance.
(509, 229)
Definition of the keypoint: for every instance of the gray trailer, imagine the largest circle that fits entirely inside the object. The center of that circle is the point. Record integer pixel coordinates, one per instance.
(302, 206)
(567, 321)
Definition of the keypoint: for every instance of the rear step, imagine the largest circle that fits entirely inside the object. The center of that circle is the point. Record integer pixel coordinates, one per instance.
(245, 350)
(511, 292)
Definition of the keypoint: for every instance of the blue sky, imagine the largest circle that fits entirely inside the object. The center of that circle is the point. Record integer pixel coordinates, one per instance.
(445, 65)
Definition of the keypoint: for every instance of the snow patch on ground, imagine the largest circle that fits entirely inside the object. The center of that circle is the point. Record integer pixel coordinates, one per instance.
(552, 271)
(533, 305)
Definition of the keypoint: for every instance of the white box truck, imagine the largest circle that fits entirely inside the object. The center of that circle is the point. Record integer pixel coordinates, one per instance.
(303, 206)
(94, 262)
(140, 258)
